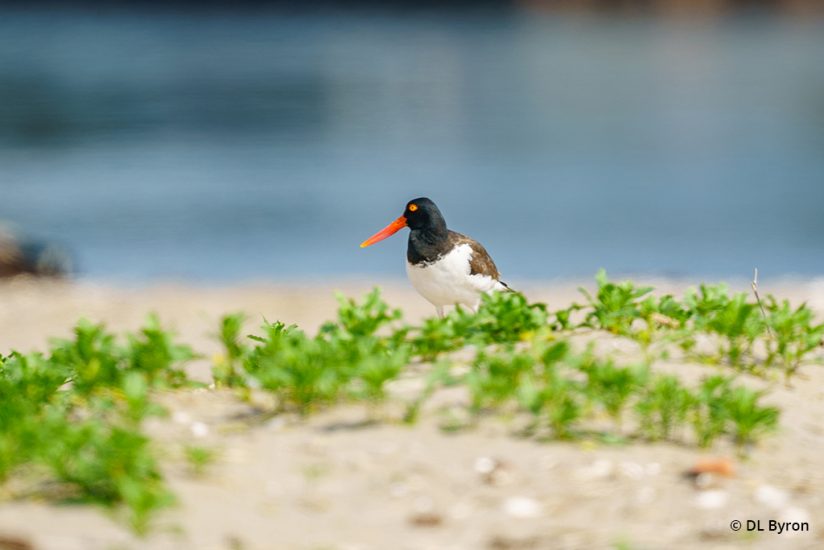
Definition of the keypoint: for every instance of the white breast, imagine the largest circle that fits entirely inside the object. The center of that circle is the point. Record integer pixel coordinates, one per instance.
(447, 281)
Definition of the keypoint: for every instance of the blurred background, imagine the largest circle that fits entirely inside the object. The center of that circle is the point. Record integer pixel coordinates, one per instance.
(266, 140)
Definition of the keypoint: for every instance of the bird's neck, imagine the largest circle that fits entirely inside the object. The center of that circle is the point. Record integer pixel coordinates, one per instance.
(427, 244)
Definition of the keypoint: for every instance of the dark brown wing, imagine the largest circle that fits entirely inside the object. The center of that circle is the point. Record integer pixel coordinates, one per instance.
(481, 262)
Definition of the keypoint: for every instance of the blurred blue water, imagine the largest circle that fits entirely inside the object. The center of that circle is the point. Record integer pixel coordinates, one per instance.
(219, 147)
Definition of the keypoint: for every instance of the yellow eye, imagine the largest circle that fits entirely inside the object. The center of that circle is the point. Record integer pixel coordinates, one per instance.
(413, 207)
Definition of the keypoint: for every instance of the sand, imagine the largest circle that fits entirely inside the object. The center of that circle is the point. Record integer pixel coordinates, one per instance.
(340, 481)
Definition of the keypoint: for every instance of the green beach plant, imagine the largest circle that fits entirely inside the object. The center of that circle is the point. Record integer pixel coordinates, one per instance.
(748, 418)
(734, 319)
(710, 416)
(502, 317)
(615, 306)
(345, 360)
(663, 405)
(612, 386)
(227, 369)
(793, 336)
(75, 416)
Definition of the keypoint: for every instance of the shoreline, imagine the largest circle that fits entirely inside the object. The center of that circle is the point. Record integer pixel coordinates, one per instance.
(33, 310)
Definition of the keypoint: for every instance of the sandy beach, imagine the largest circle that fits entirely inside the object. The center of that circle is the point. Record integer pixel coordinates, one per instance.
(338, 481)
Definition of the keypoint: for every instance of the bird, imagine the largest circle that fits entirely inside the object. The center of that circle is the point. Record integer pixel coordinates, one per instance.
(444, 266)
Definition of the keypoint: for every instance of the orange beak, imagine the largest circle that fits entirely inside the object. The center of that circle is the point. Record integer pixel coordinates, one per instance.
(387, 231)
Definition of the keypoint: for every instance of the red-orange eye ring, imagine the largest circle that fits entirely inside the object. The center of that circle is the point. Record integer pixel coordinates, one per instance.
(413, 207)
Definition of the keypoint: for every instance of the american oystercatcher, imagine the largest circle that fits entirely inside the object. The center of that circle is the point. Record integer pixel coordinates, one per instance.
(445, 267)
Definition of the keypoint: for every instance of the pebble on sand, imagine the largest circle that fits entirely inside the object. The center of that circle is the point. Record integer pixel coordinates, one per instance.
(199, 429)
(712, 500)
(522, 507)
(772, 497)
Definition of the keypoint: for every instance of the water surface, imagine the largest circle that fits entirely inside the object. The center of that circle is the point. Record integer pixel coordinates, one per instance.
(266, 146)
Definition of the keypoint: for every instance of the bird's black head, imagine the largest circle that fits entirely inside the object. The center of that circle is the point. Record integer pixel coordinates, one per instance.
(421, 213)
(421, 216)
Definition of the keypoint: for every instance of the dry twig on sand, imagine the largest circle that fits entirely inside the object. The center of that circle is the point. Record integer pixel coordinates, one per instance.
(760, 305)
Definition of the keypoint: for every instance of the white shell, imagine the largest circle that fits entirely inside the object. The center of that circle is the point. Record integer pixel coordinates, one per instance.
(447, 281)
